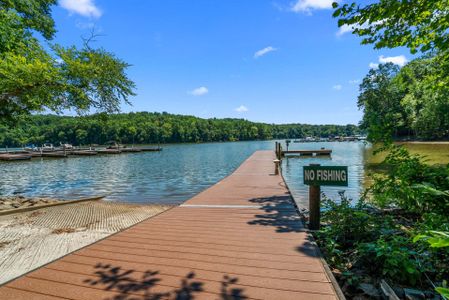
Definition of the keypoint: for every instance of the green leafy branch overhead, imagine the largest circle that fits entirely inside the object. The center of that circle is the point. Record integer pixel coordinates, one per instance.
(420, 25)
(34, 79)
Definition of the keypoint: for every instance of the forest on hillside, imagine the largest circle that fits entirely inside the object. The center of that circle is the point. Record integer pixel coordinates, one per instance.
(405, 102)
(145, 127)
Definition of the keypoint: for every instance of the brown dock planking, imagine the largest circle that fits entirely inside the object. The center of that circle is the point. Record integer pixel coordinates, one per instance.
(239, 239)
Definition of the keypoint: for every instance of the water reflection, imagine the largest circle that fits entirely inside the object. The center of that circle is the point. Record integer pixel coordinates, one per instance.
(180, 171)
(171, 176)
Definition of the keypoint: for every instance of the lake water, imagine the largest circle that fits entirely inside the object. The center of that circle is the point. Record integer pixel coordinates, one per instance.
(173, 175)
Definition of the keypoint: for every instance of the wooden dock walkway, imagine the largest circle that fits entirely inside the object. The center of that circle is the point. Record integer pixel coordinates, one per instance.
(239, 239)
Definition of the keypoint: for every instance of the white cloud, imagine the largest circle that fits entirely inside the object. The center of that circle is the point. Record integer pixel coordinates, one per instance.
(306, 6)
(344, 29)
(241, 109)
(354, 81)
(264, 51)
(86, 8)
(337, 87)
(202, 90)
(399, 60)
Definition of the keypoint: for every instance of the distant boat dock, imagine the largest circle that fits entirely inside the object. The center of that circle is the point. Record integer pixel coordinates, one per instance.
(280, 152)
(240, 239)
(308, 152)
(17, 155)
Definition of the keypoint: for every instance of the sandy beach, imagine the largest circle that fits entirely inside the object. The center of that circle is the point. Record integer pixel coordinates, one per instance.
(31, 239)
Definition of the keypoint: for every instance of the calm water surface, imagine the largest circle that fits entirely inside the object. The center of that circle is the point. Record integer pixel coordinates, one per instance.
(173, 175)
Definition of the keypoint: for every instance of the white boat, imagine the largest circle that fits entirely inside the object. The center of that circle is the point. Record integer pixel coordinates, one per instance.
(66, 146)
(47, 147)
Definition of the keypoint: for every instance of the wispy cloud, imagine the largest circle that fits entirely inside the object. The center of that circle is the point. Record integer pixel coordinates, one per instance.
(345, 28)
(241, 109)
(337, 87)
(373, 65)
(399, 60)
(202, 90)
(85, 25)
(354, 81)
(86, 8)
(264, 51)
(306, 6)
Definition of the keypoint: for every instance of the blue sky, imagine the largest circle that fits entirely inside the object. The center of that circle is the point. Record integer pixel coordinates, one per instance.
(278, 61)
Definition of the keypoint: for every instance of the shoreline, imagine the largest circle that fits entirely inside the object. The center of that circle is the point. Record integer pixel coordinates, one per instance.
(424, 142)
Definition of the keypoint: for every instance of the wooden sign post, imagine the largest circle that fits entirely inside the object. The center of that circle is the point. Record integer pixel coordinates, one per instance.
(315, 176)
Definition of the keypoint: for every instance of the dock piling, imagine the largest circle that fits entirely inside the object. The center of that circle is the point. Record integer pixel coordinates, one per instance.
(276, 166)
(314, 205)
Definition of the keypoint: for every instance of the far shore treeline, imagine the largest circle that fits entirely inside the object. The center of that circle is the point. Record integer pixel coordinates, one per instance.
(145, 127)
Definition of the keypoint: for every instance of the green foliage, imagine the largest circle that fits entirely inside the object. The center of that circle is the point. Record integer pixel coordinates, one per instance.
(35, 15)
(416, 24)
(411, 184)
(34, 79)
(380, 101)
(361, 238)
(405, 102)
(349, 224)
(146, 127)
(443, 291)
(436, 239)
(414, 100)
(391, 257)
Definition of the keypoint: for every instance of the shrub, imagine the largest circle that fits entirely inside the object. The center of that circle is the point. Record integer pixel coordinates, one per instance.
(391, 257)
(410, 184)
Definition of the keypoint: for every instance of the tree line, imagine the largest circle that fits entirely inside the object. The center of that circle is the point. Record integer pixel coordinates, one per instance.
(146, 127)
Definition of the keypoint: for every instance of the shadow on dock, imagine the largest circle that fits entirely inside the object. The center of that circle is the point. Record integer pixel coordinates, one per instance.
(281, 214)
(284, 217)
(129, 286)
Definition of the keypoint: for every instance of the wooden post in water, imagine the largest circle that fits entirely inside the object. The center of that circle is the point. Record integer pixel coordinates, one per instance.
(314, 205)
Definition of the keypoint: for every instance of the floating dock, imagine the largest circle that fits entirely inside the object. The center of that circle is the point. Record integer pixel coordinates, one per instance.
(108, 151)
(83, 152)
(150, 149)
(12, 157)
(308, 152)
(240, 239)
(26, 155)
(54, 154)
(131, 149)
